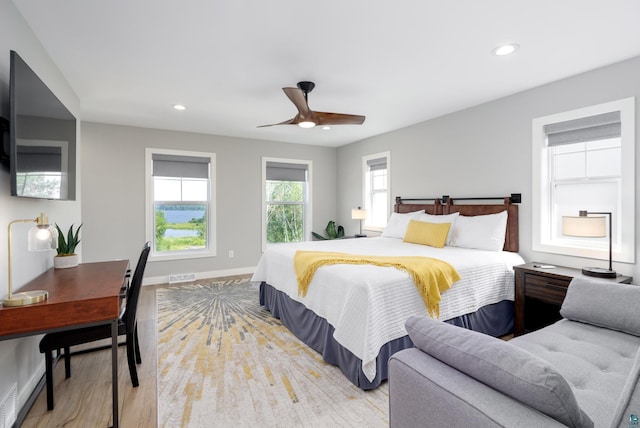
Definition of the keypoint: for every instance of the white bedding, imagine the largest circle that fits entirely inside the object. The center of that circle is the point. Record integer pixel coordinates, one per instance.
(368, 305)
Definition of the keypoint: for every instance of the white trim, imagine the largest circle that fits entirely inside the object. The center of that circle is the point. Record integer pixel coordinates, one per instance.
(540, 193)
(155, 280)
(211, 251)
(365, 170)
(308, 218)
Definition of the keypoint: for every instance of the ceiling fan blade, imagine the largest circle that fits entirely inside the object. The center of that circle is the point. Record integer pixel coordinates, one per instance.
(298, 99)
(323, 118)
(305, 116)
(286, 122)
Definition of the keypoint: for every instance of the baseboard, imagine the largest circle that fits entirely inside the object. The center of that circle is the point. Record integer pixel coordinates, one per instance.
(30, 393)
(202, 275)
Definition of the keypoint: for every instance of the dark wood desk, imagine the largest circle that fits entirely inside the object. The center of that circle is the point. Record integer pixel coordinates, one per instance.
(89, 294)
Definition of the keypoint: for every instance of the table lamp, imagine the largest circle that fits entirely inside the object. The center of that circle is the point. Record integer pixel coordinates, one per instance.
(590, 227)
(359, 214)
(40, 238)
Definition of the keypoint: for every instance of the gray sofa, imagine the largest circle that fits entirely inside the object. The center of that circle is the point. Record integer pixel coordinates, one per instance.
(581, 371)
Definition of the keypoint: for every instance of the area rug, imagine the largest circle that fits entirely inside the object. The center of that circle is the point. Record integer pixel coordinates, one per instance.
(223, 360)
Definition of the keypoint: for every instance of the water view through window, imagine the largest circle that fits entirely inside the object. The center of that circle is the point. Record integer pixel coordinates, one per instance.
(181, 227)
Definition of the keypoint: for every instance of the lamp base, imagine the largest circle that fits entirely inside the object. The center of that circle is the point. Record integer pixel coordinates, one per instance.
(360, 235)
(26, 298)
(599, 272)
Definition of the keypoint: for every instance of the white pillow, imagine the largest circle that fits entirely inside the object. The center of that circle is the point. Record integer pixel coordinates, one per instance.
(483, 232)
(445, 218)
(398, 223)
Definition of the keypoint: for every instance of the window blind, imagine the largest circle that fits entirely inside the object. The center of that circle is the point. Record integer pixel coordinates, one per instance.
(281, 171)
(377, 164)
(180, 166)
(591, 128)
(39, 159)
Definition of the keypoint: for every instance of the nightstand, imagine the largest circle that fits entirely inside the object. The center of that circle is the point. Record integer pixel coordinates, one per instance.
(540, 293)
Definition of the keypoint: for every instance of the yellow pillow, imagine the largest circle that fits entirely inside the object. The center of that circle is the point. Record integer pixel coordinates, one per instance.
(432, 234)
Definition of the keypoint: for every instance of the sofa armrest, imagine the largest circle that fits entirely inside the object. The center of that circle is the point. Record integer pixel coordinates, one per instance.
(423, 391)
(604, 304)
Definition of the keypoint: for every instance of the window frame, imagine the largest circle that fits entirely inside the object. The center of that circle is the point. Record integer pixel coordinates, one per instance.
(366, 198)
(211, 250)
(308, 208)
(542, 227)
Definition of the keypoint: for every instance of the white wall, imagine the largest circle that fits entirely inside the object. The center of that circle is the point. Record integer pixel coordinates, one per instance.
(486, 150)
(114, 194)
(20, 359)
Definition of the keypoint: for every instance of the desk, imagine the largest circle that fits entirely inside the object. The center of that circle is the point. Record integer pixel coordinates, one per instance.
(86, 295)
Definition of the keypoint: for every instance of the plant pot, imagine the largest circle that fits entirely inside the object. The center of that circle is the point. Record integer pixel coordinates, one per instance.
(64, 262)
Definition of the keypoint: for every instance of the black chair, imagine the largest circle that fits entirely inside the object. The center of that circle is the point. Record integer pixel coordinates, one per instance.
(127, 326)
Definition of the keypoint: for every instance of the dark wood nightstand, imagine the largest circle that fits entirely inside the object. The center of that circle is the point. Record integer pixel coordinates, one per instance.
(540, 293)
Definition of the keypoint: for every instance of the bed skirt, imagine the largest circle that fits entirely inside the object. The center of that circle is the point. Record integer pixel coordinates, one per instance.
(317, 333)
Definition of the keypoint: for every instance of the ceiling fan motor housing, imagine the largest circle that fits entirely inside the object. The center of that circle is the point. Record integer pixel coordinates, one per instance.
(306, 87)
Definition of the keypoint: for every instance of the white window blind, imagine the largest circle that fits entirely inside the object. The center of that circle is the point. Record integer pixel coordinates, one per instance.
(592, 128)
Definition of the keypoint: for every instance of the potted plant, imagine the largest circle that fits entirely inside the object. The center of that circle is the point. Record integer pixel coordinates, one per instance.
(67, 256)
(332, 231)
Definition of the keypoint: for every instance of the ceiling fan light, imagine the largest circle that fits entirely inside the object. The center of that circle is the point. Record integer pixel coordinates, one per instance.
(306, 124)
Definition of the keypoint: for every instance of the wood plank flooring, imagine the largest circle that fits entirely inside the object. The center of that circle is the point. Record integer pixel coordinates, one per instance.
(84, 400)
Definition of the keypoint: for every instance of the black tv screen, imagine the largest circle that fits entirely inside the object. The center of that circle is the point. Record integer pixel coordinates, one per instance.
(42, 138)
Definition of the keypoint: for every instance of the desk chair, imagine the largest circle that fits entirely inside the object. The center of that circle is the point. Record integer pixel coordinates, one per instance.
(127, 326)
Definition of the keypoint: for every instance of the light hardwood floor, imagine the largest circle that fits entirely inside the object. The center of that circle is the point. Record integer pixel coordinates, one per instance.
(84, 400)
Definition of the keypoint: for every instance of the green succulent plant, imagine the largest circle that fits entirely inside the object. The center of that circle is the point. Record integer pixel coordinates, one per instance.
(67, 245)
(332, 231)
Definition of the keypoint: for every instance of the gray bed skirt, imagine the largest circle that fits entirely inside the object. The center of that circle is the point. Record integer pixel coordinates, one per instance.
(316, 332)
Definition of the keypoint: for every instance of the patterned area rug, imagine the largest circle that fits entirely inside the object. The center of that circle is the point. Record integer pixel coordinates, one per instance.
(223, 360)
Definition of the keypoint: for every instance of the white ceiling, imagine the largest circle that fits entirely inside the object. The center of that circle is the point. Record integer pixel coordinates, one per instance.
(398, 63)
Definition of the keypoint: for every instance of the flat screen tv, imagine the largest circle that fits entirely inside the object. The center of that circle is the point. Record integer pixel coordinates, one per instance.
(42, 138)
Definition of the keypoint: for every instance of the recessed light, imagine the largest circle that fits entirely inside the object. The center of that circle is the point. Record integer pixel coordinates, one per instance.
(326, 128)
(179, 107)
(505, 49)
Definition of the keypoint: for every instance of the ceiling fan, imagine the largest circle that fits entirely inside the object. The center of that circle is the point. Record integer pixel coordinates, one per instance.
(307, 118)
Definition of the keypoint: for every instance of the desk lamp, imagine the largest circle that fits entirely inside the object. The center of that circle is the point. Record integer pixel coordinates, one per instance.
(359, 214)
(40, 238)
(590, 227)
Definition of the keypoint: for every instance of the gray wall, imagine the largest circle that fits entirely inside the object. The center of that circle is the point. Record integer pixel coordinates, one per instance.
(20, 360)
(113, 202)
(486, 150)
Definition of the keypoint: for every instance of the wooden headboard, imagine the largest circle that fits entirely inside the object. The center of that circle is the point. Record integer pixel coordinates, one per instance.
(447, 205)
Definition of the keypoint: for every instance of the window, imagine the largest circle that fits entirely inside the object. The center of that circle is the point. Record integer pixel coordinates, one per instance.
(180, 204)
(584, 160)
(375, 171)
(286, 200)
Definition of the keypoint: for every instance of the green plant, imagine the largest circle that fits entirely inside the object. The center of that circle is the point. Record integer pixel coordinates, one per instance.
(67, 246)
(332, 232)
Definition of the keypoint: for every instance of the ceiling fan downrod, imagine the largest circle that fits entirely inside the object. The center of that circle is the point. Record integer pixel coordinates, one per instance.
(306, 87)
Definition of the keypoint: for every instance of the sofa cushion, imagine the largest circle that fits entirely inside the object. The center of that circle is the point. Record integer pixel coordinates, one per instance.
(595, 361)
(629, 401)
(603, 304)
(500, 365)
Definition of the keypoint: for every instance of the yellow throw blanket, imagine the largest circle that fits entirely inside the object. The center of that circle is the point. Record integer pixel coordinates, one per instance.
(431, 276)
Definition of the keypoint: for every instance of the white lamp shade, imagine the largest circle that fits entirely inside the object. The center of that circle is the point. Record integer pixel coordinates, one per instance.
(358, 214)
(584, 226)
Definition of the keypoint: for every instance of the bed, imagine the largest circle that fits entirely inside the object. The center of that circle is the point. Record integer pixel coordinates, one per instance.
(354, 314)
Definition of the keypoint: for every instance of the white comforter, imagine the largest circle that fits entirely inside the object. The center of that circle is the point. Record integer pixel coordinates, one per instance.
(368, 305)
